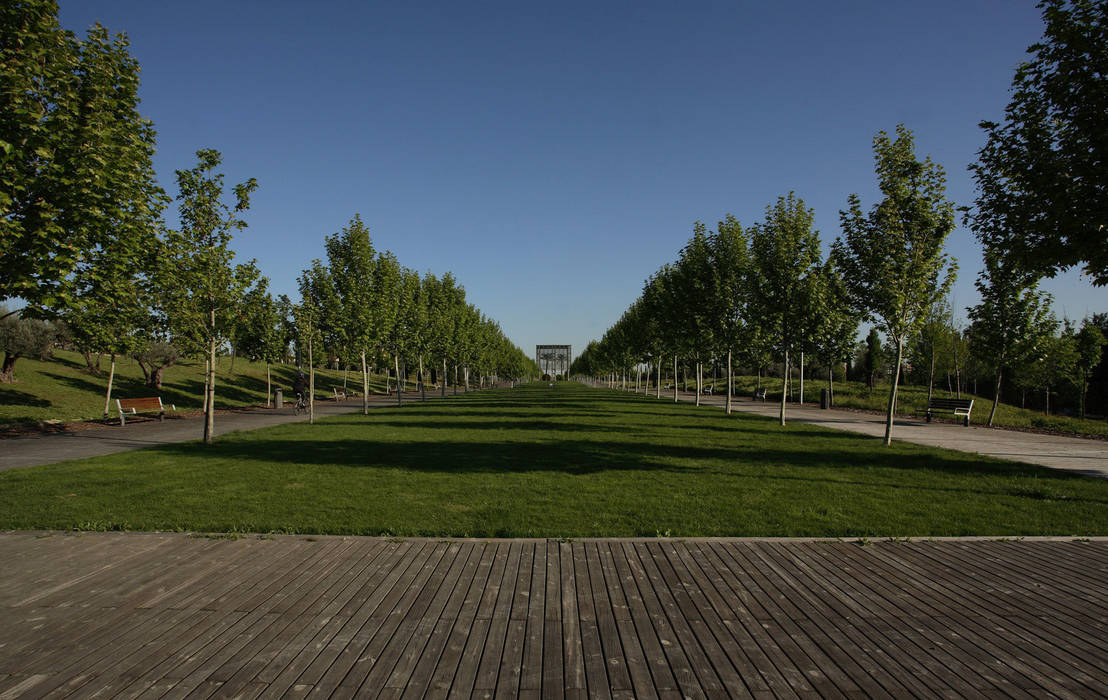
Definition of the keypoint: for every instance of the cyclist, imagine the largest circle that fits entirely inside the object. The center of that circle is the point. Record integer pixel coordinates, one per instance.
(300, 388)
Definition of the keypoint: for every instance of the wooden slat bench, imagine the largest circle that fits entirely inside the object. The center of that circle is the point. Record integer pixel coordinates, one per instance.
(147, 405)
(960, 407)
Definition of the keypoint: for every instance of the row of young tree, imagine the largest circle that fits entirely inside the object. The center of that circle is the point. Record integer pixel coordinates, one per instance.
(765, 291)
(84, 247)
(364, 309)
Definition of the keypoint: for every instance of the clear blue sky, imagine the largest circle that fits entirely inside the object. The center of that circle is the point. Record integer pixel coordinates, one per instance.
(554, 155)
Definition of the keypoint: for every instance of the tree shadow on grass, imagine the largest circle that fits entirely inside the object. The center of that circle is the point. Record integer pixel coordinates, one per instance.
(14, 397)
(839, 467)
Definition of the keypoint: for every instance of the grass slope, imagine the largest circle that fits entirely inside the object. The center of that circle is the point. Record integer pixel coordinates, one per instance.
(63, 389)
(561, 462)
(912, 400)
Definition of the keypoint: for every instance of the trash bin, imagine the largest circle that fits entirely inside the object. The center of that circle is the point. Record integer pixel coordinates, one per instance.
(824, 399)
(278, 399)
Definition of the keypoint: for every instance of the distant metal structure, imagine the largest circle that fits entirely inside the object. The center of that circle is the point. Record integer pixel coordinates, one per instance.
(554, 359)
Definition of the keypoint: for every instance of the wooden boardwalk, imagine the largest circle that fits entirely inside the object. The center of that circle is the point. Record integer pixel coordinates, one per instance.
(153, 615)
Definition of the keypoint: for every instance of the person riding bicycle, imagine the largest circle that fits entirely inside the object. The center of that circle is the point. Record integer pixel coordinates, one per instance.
(300, 387)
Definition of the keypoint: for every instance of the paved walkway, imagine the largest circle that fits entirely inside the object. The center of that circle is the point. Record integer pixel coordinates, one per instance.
(33, 450)
(173, 616)
(1080, 455)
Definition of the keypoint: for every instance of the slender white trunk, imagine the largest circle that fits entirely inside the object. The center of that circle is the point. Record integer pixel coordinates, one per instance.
(675, 379)
(729, 381)
(400, 383)
(892, 395)
(311, 384)
(268, 386)
(209, 416)
(444, 377)
(699, 381)
(784, 385)
(108, 396)
(422, 387)
(365, 387)
(996, 399)
(801, 379)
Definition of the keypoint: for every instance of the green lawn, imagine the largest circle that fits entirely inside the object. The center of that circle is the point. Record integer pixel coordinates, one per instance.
(561, 462)
(62, 388)
(912, 400)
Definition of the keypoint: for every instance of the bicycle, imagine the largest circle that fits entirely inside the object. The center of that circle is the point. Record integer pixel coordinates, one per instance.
(301, 404)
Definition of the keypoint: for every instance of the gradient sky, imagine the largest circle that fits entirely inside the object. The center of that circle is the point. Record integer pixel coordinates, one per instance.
(552, 156)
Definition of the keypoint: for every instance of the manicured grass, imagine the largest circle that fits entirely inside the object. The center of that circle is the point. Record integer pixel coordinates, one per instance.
(563, 462)
(62, 388)
(912, 400)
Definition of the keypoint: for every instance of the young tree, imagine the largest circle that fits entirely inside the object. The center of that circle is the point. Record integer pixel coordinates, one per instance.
(835, 321)
(1041, 176)
(730, 266)
(1011, 322)
(23, 337)
(198, 278)
(892, 259)
(352, 265)
(1089, 343)
(76, 181)
(260, 334)
(785, 259)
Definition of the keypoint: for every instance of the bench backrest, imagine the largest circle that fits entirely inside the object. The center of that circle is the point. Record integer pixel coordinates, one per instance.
(950, 404)
(148, 404)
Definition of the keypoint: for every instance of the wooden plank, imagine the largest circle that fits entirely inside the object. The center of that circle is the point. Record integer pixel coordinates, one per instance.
(442, 677)
(592, 651)
(531, 674)
(612, 658)
(511, 664)
(420, 663)
(572, 651)
(492, 655)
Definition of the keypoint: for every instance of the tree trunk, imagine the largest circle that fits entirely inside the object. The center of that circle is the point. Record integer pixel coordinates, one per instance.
(108, 395)
(88, 362)
(699, 381)
(996, 400)
(729, 381)
(400, 381)
(422, 388)
(892, 395)
(1047, 407)
(365, 387)
(931, 375)
(7, 372)
(455, 380)
(784, 385)
(233, 353)
(311, 384)
(209, 405)
(443, 377)
(830, 381)
(156, 379)
(268, 386)
(801, 402)
(658, 388)
(675, 379)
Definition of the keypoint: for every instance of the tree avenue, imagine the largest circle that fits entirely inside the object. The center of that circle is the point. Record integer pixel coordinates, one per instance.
(84, 247)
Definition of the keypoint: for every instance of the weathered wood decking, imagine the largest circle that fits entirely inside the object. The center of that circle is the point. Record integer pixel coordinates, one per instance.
(133, 615)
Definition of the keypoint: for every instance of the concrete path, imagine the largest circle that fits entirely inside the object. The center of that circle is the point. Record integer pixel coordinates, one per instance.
(1079, 455)
(34, 450)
